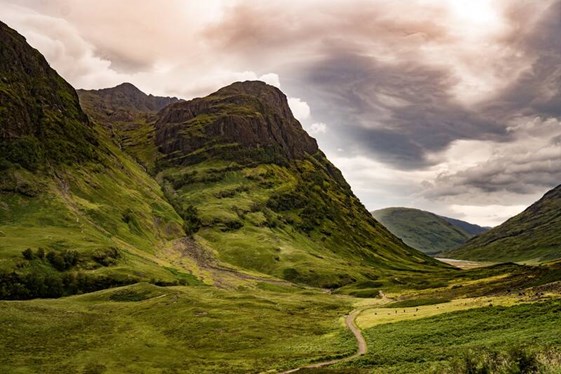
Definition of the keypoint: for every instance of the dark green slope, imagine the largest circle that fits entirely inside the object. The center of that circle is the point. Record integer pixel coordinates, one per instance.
(424, 230)
(533, 235)
(89, 215)
(254, 188)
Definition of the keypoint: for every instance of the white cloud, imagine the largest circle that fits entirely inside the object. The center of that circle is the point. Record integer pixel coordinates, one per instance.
(489, 215)
(300, 108)
(318, 128)
(271, 78)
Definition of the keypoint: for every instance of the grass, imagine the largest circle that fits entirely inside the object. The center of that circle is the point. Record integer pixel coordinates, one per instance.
(144, 328)
(259, 218)
(436, 343)
(88, 208)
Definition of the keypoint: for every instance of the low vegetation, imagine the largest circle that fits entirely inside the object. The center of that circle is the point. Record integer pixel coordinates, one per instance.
(492, 339)
(145, 328)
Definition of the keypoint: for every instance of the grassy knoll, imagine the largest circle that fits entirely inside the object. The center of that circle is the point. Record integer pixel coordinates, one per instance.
(149, 329)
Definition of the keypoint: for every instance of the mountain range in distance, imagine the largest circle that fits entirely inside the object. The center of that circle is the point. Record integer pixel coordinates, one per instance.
(533, 236)
(426, 231)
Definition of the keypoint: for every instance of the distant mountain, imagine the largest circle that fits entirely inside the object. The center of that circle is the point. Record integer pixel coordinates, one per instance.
(467, 227)
(533, 235)
(426, 231)
(121, 103)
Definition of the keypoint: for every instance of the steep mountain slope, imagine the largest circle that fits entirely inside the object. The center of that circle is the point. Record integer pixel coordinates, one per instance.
(76, 214)
(533, 235)
(424, 230)
(254, 188)
(128, 114)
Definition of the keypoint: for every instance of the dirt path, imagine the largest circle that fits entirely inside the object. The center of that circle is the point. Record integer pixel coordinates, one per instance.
(361, 343)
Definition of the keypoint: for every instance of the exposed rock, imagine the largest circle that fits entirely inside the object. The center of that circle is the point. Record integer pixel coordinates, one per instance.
(248, 114)
(121, 103)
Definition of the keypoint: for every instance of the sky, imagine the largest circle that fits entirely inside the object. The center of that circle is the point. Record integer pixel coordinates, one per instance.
(451, 106)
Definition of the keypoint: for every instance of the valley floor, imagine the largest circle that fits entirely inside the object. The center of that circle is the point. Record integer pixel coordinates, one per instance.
(491, 319)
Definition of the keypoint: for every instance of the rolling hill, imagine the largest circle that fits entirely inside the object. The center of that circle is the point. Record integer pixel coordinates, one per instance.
(426, 231)
(531, 236)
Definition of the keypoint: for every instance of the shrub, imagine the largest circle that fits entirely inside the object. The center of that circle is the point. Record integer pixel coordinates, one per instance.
(27, 254)
(41, 253)
(106, 257)
(63, 260)
(192, 222)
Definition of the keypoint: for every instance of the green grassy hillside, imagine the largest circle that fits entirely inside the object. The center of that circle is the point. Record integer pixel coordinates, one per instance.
(423, 230)
(532, 236)
(523, 338)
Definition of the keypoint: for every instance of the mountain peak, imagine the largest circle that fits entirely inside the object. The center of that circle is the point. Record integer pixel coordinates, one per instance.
(127, 87)
(247, 116)
(121, 103)
(249, 88)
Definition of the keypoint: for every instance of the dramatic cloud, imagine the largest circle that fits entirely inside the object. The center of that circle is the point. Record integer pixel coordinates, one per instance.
(451, 106)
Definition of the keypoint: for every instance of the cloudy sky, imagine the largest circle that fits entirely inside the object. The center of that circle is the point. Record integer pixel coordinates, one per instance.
(452, 106)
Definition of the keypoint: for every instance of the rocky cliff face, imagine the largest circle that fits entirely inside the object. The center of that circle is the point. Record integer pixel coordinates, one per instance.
(244, 115)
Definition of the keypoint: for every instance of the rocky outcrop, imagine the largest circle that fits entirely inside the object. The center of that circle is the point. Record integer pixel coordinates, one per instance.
(246, 115)
(122, 103)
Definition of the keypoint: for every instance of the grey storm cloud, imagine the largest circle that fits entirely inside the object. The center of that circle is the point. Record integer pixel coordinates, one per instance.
(397, 113)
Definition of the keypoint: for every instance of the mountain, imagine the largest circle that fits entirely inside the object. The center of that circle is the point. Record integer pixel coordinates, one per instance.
(533, 235)
(121, 103)
(227, 188)
(426, 231)
(128, 114)
(40, 117)
(254, 187)
(76, 213)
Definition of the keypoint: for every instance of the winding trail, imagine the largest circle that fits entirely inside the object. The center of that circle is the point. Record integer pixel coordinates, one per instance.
(361, 343)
